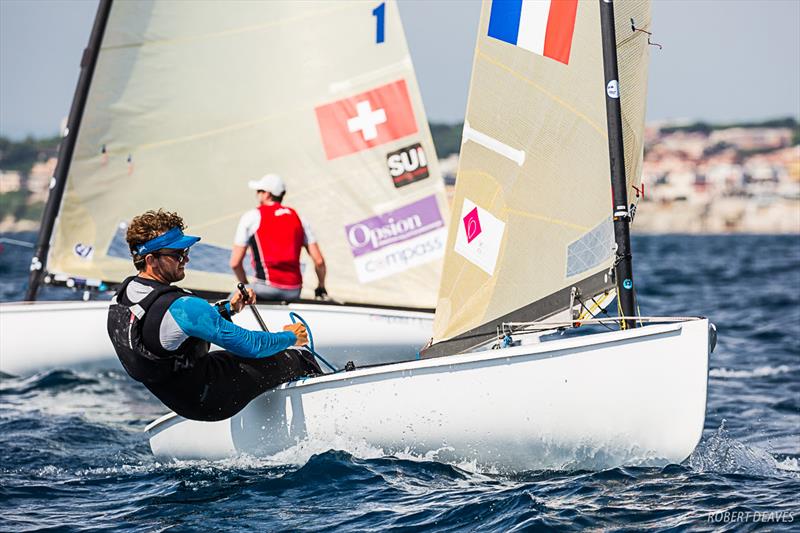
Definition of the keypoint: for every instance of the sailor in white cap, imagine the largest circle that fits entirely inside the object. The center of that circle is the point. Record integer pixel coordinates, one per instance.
(275, 234)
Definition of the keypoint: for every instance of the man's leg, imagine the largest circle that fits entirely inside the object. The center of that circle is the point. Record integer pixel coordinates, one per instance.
(230, 382)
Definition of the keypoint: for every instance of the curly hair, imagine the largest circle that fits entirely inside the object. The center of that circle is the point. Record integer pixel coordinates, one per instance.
(150, 225)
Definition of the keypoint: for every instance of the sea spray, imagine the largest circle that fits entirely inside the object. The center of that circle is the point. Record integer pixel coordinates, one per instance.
(722, 454)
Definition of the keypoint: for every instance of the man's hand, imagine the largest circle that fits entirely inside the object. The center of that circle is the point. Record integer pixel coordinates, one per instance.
(320, 293)
(238, 303)
(299, 331)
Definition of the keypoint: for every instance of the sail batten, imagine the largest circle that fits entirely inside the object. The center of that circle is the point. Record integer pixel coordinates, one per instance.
(549, 234)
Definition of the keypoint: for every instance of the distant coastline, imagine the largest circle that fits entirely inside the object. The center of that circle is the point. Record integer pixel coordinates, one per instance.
(697, 178)
(721, 216)
(700, 178)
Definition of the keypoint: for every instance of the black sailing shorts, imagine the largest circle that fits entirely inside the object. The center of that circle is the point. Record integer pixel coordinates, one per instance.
(221, 384)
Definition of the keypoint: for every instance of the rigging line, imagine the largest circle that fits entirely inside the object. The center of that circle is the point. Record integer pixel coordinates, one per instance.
(213, 35)
(623, 324)
(592, 315)
(632, 36)
(603, 299)
(634, 29)
(566, 323)
(15, 242)
(596, 306)
(637, 198)
(602, 131)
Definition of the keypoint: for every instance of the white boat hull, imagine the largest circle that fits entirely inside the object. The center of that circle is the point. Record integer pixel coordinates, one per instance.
(43, 335)
(598, 401)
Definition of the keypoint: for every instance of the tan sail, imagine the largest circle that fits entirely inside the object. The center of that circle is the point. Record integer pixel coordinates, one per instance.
(190, 100)
(633, 58)
(532, 209)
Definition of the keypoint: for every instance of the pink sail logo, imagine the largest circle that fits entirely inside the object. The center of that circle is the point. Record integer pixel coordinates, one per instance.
(472, 224)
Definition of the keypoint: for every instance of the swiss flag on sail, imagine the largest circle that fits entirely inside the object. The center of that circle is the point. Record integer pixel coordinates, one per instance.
(366, 120)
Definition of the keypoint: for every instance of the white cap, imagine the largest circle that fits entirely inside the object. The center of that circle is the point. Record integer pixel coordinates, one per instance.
(272, 183)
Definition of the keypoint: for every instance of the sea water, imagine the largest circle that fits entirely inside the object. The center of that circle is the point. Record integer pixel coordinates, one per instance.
(73, 456)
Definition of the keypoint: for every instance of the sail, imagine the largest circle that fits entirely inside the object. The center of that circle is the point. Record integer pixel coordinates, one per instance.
(531, 216)
(631, 19)
(191, 100)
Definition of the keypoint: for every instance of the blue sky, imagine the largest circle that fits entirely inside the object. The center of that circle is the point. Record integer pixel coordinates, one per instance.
(723, 60)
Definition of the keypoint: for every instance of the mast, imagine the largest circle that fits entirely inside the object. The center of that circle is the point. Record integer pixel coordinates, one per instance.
(616, 153)
(88, 62)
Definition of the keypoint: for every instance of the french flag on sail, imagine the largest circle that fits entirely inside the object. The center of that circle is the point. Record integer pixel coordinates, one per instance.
(544, 27)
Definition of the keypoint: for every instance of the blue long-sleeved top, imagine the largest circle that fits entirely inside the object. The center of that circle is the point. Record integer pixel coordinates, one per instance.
(191, 316)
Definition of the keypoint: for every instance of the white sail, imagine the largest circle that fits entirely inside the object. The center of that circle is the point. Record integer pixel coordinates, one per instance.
(532, 209)
(190, 100)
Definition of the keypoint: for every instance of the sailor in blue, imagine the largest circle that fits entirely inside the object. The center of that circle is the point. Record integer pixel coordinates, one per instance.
(190, 316)
(162, 333)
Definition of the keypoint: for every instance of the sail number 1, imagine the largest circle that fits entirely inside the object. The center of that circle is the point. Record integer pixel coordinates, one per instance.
(380, 21)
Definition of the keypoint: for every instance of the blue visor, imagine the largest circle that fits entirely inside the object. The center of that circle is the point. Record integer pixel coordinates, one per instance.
(174, 238)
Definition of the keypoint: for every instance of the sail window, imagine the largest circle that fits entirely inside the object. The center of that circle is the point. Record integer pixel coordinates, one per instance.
(591, 249)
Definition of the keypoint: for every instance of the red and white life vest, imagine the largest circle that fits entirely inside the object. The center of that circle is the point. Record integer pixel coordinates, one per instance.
(276, 247)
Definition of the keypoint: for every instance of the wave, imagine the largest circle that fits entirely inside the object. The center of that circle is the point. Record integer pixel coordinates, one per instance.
(722, 454)
(305, 451)
(543, 456)
(759, 372)
(53, 380)
(789, 464)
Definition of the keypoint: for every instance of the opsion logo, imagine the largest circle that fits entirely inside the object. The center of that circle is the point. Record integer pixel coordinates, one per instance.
(361, 235)
(390, 243)
(407, 165)
(394, 226)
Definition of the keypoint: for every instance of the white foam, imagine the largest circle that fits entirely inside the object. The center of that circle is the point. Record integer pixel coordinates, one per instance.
(790, 464)
(761, 371)
(579, 457)
(724, 455)
(300, 453)
(49, 471)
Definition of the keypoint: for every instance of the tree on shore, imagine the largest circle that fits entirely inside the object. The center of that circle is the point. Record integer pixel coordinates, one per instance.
(22, 155)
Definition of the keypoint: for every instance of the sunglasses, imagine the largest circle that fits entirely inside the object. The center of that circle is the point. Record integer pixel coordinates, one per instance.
(178, 255)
